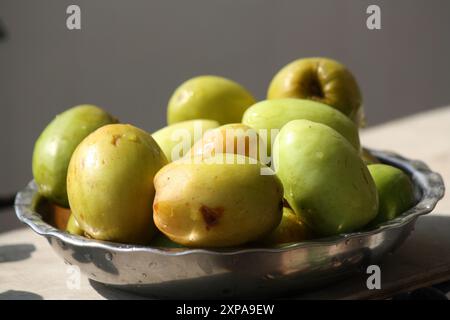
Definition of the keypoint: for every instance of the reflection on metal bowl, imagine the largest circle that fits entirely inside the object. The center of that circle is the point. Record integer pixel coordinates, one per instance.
(240, 272)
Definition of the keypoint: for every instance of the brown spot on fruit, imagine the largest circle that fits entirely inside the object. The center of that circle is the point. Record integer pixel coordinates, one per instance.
(211, 216)
(115, 139)
(315, 89)
(311, 86)
(155, 206)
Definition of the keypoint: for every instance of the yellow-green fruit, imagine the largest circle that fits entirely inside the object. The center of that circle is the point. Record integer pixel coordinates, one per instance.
(395, 191)
(209, 97)
(177, 139)
(274, 114)
(319, 79)
(234, 138)
(290, 229)
(325, 181)
(209, 203)
(55, 145)
(73, 226)
(110, 183)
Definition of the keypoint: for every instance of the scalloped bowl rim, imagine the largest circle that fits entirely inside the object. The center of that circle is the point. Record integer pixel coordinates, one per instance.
(429, 198)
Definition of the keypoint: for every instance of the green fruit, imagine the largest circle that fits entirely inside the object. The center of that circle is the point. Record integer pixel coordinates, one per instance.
(395, 191)
(213, 203)
(110, 183)
(234, 138)
(209, 97)
(162, 241)
(290, 229)
(274, 114)
(180, 137)
(322, 80)
(325, 181)
(73, 226)
(55, 145)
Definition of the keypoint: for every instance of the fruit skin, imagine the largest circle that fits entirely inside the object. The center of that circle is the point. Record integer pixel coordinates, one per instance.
(395, 191)
(110, 183)
(234, 138)
(55, 145)
(291, 229)
(205, 203)
(73, 226)
(320, 79)
(209, 97)
(172, 136)
(274, 114)
(324, 178)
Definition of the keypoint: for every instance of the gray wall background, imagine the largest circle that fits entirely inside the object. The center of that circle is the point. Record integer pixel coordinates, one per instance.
(130, 55)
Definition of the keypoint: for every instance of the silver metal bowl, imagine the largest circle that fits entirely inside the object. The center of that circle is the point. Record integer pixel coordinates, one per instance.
(241, 272)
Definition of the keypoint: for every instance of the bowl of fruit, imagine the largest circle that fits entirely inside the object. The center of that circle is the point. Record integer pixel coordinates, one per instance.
(234, 197)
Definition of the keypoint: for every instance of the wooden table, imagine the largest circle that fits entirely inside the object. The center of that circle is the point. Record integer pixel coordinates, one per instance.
(30, 270)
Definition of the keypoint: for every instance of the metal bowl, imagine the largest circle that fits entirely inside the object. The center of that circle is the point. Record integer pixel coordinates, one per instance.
(241, 272)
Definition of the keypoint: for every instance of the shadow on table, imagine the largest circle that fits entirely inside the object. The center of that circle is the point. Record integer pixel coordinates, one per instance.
(16, 252)
(431, 231)
(19, 295)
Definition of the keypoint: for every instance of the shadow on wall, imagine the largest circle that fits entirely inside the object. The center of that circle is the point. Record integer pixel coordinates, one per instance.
(2, 31)
(8, 220)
